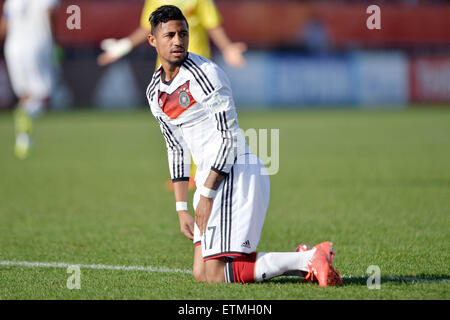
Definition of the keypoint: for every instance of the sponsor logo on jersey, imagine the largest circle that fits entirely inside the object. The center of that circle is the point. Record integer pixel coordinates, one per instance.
(246, 244)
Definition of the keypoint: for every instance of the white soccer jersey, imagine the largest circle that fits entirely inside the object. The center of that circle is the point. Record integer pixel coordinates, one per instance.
(29, 46)
(28, 20)
(197, 116)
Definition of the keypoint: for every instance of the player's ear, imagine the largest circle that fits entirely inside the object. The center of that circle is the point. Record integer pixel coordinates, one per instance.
(151, 40)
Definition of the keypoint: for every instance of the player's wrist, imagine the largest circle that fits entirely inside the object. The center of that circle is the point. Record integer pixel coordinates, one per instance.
(117, 48)
(207, 192)
(181, 206)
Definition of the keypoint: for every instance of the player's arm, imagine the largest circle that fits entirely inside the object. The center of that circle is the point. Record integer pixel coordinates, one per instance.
(52, 19)
(179, 166)
(115, 49)
(233, 52)
(180, 189)
(3, 27)
(3, 24)
(221, 105)
(52, 7)
(207, 194)
(138, 36)
(210, 18)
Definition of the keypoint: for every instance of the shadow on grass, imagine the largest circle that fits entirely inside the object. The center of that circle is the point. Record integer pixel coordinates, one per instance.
(362, 280)
(421, 278)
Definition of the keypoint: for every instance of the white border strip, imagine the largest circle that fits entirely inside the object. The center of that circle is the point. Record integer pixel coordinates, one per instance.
(185, 271)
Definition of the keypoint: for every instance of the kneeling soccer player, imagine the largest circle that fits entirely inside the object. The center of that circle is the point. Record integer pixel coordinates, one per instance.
(190, 96)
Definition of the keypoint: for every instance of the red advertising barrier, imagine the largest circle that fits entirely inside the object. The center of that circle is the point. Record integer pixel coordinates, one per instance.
(99, 20)
(270, 24)
(282, 22)
(430, 79)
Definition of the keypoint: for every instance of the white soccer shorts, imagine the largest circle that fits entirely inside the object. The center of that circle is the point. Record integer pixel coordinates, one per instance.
(239, 209)
(30, 70)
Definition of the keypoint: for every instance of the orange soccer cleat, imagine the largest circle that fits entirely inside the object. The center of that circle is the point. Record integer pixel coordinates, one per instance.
(321, 268)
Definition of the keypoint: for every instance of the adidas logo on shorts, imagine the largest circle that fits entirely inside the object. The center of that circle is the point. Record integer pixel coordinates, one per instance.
(246, 244)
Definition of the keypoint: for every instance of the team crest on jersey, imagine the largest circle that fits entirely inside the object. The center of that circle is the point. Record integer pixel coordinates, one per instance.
(184, 99)
(177, 102)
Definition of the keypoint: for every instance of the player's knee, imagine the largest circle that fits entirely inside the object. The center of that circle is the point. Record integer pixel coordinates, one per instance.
(214, 278)
(214, 273)
(199, 274)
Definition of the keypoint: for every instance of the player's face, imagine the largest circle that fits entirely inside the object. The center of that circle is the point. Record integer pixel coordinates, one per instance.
(171, 40)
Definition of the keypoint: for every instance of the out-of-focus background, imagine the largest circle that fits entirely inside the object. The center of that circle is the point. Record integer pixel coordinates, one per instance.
(301, 53)
(92, 190)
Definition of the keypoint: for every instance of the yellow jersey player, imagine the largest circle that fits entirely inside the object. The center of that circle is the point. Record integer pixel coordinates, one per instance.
(204, 22)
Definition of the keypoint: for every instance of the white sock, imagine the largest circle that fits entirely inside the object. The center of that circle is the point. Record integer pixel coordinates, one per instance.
(273, 264)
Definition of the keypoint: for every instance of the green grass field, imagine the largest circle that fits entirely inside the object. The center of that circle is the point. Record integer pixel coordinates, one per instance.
(375, 183)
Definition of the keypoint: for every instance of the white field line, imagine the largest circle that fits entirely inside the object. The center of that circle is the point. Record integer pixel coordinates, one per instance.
(186, 271)
(88, 266)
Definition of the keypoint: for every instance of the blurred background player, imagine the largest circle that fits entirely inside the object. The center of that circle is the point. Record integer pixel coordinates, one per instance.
(29, 27)
(204, 22)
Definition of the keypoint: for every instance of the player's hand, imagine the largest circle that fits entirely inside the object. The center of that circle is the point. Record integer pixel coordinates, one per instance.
(203, 212)
(105, 58)
(233, 54)
(186, 224)
(114, 50)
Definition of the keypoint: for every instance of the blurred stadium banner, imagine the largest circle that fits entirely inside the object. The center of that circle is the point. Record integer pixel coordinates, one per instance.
(430, 79)
(353, 78)
(300, 53)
